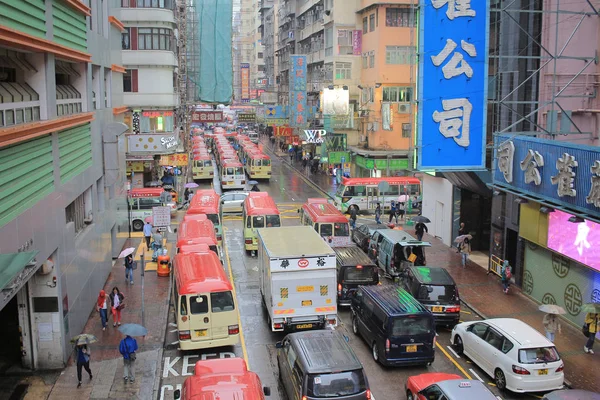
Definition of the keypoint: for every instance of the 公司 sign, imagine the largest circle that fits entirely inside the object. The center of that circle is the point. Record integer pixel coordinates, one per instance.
(316, 136)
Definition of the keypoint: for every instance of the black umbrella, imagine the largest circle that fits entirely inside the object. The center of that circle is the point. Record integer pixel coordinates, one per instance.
(420, 218)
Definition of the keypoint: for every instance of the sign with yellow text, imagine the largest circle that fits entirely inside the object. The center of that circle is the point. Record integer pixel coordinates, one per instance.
(178, 160)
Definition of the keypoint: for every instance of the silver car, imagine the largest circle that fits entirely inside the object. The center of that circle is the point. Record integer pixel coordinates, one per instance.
(232, 202)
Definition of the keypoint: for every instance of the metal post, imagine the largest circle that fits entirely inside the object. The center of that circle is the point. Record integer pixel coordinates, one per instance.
(129, 213)
(142, 274)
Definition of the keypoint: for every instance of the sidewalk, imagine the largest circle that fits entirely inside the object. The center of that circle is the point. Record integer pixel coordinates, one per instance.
(106, 361)
(483, 293)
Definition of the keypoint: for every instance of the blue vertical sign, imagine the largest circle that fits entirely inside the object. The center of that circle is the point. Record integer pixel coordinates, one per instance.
(298, 112)
(453, 83)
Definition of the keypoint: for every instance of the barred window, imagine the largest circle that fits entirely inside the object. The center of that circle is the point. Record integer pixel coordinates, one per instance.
(365, 25)
(399, 55)
(398, 94)
(400, 17)
(343, 70)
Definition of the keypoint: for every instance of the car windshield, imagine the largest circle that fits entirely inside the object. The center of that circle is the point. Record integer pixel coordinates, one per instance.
(362, 274)
(214, 218)
(437, 293)
(258, 222)
(411, 325)
(266, 162)
(239, 171)
(273, 221)
(539, 355)
(340, 190)
(341, 229)
(336, 384)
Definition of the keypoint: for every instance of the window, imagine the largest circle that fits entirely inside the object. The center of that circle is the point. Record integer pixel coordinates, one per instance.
(372, 59)
(214, 218)
(125, 39)
(345, 42)
(433, 392)
(146, 203)
(273, 221)
(400, 17)
(260, 55)
(328, 42)
(365, 25)
(169, 4)
(398, 94)
(406, 128)
(399, 55)
(539, 355)
(130, 81)
(343, 70)
(258, 222)
(365, 61)
(221, 301)
(80, 210)
(371, 22)
(154, 38)
(340, 229)
(478, 329)
(182, 303)
(402, 326)
(337, 384)
(107, 87)
(326, 230)
(199, 304)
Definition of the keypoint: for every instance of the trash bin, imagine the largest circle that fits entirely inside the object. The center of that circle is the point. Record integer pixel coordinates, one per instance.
(163, 265)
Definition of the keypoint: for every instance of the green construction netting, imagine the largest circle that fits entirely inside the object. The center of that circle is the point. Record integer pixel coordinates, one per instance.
(215, 75)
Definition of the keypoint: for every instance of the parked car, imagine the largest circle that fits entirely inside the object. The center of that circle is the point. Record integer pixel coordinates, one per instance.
(436, 290)
(571, 395)
(518, 357)
(437, 385)
(232, 202)
(353, 268)
(320, 364)
(396, 250)
(362, 234)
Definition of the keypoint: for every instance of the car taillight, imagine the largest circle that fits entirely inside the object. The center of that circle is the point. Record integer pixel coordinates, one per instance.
(561, 368)
(184, 335)
(248, 241)
(453, 309)
(234, 329)
(387, 345)
(243, 182)
(332, 321)
(278, 325)
(368, 394)
(520, 370)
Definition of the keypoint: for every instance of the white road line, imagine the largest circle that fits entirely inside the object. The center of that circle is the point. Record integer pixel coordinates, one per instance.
(475, 374)
(172, 324)
(499, 398)
(173, 330)
(175, 342)
(452, 351)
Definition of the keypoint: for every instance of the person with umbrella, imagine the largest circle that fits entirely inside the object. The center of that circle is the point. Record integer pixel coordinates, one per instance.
(127, 347)
(551, 323)
(83, 353)
(592, 320)
(129, 268)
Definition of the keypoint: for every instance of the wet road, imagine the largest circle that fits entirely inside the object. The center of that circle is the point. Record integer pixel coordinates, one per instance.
(290, 190)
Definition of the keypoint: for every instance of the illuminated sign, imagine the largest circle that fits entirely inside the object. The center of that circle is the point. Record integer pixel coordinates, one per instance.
(316, 136)
(154, 114)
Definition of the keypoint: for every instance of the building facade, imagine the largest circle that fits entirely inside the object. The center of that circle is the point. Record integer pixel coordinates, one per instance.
(63, 184)
(149, 49)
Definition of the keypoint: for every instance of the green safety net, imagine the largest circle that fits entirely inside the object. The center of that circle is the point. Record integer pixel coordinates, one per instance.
(215, 76)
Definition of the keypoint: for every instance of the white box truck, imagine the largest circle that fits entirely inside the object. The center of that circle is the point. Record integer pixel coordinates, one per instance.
(297, 271)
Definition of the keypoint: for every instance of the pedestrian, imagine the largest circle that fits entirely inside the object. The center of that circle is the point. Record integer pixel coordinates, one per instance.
(116, 305)
(102, 308)
(461, 231)
(378, 213)
(186, 194)
(393, 212)
(157, 244)
(465, 250)
(551, 325)
(129, 269)
(353, 213)
(420, 230)
(505, 275)
(83, 361)
(147, 234)
(127, 348)
(190, 196)
(592, 321)
(291, 153)
(401, 209)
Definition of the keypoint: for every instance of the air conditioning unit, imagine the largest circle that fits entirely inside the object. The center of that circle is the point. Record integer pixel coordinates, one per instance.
(403, 108)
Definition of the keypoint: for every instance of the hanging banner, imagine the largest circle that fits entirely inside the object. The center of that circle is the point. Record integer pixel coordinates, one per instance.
(298, 105)
(453, 83)
(245, 77)
(357, 42)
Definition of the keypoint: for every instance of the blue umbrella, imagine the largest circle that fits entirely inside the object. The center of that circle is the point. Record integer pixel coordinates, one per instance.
(133, 330)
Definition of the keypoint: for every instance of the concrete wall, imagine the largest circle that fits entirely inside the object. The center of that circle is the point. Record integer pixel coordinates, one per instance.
(437, 206)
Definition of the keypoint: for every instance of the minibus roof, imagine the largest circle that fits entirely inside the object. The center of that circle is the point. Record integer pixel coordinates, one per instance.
(260, 203)
(205, 201)
(196, 231)
(323, 212)
(200, 273)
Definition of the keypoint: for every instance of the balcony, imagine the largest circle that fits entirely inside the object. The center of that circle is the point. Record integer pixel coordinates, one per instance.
(149, 57)
(68, 100)
(316, 57)
(150, 99)
(156, 15)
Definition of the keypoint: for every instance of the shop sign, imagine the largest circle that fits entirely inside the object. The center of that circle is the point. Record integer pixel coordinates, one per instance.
(338, 157)
(282, 131)
(276, 112)
(452, 100)
(298, 107)
(558, 172)
(207, 116)
(155, 114)
(316, 136)
(135, 166)
(177, 160)
(152, 143)
(246, 117)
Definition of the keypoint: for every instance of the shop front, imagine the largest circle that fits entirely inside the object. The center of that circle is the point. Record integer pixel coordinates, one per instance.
(376, 166)
(556, 187)
(144, 154)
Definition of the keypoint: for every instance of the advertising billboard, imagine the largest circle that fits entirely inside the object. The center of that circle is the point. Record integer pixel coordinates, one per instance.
(336, 101)
(298, 102)
(357, 42)
(207, 116)
(452, 85)
(579, 241)
(245, 79)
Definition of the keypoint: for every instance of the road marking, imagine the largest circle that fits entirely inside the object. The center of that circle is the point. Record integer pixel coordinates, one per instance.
(242, 340)
(175, 342)
(172, 324)
(452, 351)
(456, 364)
(476, 376)
(499, 398)
(173, 330)
(465, 312)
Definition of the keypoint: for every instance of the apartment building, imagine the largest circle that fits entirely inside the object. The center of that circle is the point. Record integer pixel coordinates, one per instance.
(245, 50)
(268, 29)
(63, 204)
(257, 72)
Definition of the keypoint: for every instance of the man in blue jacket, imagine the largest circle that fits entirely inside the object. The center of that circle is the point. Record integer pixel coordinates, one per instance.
(127, 348)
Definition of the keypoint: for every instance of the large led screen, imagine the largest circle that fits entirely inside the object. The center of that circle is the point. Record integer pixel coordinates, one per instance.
(579, 241)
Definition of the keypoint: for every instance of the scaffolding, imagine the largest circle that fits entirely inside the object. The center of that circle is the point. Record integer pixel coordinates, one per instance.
(533, 46)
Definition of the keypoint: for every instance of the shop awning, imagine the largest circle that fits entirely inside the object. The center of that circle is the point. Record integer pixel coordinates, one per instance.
(475, 181)
(12, 266)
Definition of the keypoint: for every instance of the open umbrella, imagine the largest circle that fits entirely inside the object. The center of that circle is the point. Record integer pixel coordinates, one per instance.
(153, 184)
(126, 252)
(420, 218)
(593, 308)
(84, 338)
(252, 183)
(552, 309)
(133, 330)
(461, 238)
(148, 220)
(191, 185)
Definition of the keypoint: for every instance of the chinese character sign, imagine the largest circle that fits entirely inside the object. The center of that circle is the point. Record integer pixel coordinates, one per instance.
(207, 116)
(453, 76)
(298, 113)
(357, 42)
(245, 78)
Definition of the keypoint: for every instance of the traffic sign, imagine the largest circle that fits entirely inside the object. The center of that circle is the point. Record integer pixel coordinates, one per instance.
(383, 187)
(343, 160)
(161, 216)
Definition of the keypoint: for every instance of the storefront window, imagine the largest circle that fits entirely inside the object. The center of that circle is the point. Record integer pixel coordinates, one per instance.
(156, 121)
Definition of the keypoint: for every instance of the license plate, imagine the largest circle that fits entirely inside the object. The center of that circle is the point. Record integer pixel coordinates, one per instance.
(437, 309)
(411, 348)
(304, 326)
(305, 288)
(201, 333)
(306, 303)
(542, 372)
